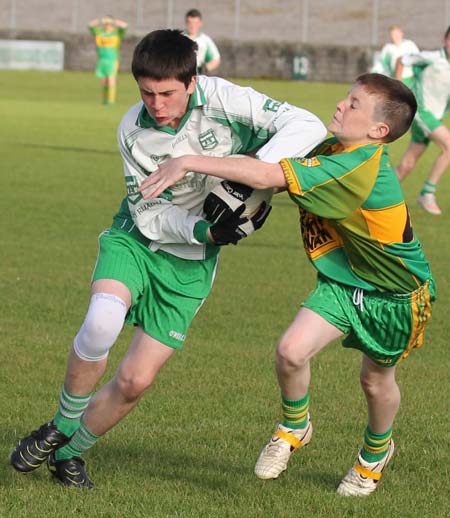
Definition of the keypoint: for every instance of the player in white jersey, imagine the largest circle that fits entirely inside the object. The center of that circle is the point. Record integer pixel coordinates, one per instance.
(386, 62)
(208, 55)
(432, 89)
(157, 262)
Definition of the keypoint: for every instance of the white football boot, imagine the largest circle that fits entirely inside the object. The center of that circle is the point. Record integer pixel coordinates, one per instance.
(275, 456)
(429, 203)
(364, 476)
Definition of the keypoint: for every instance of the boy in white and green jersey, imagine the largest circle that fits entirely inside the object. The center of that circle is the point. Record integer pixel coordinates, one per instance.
(390, 53)
(208, 55)
(432, 89)
(374, 282)
(157, 262)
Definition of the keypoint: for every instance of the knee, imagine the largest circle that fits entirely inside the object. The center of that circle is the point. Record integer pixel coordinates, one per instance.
(446, 154)
(290, 354)
(131, 386)
(376, 388)
(406, 166)
(101, 327)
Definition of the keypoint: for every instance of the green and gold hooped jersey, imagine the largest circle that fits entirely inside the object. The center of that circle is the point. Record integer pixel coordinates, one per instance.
(108, 43)
(354, 221)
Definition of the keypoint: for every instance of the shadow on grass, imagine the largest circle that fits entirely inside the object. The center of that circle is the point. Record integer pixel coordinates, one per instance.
(68, 148)
(328, 481)
(162, 462)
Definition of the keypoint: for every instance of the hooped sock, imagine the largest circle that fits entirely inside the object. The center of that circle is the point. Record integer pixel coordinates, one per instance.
(375, 445)
(295, 412)
(71, 408)
(428, 188)
(82, 440)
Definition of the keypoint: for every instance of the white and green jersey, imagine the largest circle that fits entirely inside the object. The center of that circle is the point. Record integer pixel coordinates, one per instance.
(389, 55)
(222, 119)
(431, 80)
(207, 49)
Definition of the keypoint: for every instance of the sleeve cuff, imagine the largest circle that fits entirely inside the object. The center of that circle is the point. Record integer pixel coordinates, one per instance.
(201, 231)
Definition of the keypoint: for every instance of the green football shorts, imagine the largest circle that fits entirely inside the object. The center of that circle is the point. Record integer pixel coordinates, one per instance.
(384, 326)
(107, 67)
(423, 124)
(166, 291)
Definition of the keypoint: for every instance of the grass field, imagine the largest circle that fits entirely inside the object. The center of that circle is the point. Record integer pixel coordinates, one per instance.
(189, 448)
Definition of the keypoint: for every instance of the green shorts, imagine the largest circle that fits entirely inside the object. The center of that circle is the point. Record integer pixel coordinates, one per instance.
(107, 67)
(166, 291)
(423, 124)
(384, 326)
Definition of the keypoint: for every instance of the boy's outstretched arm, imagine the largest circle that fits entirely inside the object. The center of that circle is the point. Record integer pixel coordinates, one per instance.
(250, 171)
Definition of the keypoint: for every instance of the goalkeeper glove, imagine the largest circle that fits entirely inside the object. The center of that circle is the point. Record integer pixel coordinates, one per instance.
(223, 201)
(257, 220)
(233, 229)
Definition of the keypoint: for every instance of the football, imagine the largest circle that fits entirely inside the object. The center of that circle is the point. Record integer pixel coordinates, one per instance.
(234, 195)
(255, 199)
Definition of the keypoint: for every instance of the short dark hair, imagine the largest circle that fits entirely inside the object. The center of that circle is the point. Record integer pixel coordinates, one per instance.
(165, 54)
(193, 13)
(447, 33)
(396, 104)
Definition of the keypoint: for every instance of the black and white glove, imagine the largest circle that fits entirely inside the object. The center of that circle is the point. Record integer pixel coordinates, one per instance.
(227, 231)
(236, 227)
(223, 201)
(257, 220)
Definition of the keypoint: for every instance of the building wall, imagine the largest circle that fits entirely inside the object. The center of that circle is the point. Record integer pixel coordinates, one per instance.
(239, 59)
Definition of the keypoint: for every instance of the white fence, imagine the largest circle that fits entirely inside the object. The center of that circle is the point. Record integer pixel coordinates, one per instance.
(328, 22)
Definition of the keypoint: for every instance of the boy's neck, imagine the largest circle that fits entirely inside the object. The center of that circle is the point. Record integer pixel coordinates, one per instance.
(347, 145)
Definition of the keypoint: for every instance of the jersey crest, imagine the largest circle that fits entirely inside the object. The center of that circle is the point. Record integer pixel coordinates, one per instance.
(208, 139)
(308, 162)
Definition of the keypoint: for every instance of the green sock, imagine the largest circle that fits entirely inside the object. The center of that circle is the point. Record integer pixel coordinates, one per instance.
(82, 440)
(295, 412)
(428, 188)
(375, 445)
(70, 410)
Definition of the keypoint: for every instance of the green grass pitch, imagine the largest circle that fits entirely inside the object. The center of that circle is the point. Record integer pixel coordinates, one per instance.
(189, 448)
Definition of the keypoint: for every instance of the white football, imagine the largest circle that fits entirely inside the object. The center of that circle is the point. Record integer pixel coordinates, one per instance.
(257, 196)
(255, 199)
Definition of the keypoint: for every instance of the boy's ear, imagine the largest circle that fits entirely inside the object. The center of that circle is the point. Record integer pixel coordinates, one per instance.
(379, 131)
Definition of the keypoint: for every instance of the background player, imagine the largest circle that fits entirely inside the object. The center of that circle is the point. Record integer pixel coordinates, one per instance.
(392, 51)
(157, 262)
(374, 283)
(108, 33)
(432, 89)
(208, 55)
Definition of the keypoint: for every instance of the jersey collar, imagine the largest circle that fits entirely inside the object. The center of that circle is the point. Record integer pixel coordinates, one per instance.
(196, 100)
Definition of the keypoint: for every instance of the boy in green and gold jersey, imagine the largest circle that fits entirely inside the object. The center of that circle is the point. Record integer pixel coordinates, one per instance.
(108, 33)
(374, 283)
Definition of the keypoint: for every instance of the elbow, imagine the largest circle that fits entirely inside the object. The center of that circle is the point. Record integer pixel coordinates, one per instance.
(271, 178)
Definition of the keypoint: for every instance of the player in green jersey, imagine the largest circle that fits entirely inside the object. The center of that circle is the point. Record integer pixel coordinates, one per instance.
(432, 89)
(108, 33)
(374, 283)
(157, 262)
